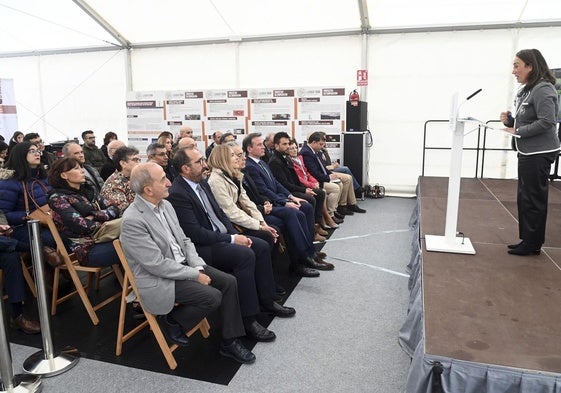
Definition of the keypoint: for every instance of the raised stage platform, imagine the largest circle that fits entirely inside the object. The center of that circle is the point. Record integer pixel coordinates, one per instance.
(489, 322)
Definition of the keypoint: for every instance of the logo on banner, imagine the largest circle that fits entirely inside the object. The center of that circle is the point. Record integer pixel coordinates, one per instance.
(362, 77)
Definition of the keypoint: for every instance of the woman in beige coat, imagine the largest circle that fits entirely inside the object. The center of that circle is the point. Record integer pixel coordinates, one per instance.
(226, 184)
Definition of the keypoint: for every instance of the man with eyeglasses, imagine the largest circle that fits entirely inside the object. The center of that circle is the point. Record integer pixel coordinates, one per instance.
(94, 156)
(47, 158)
(74, 150)
(247, 258)
(157, 153)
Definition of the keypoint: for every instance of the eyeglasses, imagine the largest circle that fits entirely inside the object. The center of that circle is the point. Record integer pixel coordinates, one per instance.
(34, 151)
(161, 154)
(200, 161)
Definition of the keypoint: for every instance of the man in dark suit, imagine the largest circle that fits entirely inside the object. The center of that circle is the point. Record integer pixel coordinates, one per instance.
(168, 270)
(269, 146)
(316, 167)
(219, 244)
(283, 170)
(270, 188)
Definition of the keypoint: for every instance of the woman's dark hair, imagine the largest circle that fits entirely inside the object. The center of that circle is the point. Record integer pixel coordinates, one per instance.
(17, 161)
(59, 167)
(13, 139)
(540, 70)
(3, 146)
(109, 137)
(123, 153)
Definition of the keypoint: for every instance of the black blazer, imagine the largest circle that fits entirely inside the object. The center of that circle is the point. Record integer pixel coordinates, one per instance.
(192, 216)
(284, 172)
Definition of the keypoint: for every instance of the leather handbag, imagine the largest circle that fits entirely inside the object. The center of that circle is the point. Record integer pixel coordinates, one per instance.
(41, 213)
(108, 231)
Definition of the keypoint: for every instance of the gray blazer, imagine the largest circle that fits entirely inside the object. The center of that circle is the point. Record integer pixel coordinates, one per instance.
(536, 121)
(145, 243)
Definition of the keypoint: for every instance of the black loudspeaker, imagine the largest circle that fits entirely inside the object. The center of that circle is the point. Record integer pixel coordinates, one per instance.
(357, 116)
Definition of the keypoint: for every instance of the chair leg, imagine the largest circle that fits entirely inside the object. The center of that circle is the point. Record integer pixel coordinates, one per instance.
(121, 326)
(166, 351)
(54, 301)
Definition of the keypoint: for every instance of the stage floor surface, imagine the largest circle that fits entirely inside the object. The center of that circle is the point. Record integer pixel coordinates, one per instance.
(492, 307)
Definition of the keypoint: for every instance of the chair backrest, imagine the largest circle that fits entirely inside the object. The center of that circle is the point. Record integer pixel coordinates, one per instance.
(61, 248)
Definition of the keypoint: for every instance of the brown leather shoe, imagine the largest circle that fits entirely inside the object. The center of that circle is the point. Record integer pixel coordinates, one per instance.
(321, 254)
(319, 238)
(52, 256)
(320, 231)
(324, 265)
(26, 325)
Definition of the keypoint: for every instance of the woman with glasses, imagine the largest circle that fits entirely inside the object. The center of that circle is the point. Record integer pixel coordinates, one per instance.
(116, 190)
(78, 217)
(23, 179)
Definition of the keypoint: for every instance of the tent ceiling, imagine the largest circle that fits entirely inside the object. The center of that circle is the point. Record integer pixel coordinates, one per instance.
(38, 25)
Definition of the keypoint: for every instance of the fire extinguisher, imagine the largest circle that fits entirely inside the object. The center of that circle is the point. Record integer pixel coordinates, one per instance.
(354, 98)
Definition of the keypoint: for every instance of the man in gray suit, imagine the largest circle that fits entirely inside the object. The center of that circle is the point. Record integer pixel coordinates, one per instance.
(168, 269)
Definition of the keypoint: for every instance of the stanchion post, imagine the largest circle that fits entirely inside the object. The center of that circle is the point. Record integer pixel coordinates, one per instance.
(45, 362)
(10, 382)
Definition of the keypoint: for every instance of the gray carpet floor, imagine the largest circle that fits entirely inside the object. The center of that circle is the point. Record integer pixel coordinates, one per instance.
(342, 339)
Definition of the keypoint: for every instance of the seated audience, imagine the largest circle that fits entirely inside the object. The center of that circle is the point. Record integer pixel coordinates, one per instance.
(14, 283)
(116, 190)
(215, 142)
(219, 244)
(47, 158)
(74, 150)
(109, 166)
(78, 213)
(157, 153)
(332, 190)
(3, 153)
(16, 138)
(283, 170)
(225, 181)
(93, 156)
(24, 179)
(347, 199)
(108, 138)
(168, 270)
(304, 260)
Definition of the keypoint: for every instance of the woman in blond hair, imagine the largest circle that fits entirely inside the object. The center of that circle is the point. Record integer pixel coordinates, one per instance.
(226, 184)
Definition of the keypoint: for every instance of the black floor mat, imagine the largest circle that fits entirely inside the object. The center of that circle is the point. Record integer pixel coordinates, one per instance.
(72, 328)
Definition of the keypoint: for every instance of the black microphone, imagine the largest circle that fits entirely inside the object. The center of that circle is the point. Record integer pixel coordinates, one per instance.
(474, 94)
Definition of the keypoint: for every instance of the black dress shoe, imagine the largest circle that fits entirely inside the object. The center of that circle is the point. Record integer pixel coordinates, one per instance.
(303, 271)
(512, 246)
(259, 333)
(356, 209)
(344, 211)
(280, 290)
(173, 331)
(525, 249)
(280, 311)
(338, 216)
(237, 351)
(311, 262)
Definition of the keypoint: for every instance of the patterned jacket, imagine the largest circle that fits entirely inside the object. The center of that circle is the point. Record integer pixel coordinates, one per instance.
(70, 210)
(117, 191)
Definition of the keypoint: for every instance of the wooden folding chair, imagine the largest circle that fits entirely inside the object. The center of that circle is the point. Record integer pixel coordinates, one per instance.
(129, 285)
(73, 267)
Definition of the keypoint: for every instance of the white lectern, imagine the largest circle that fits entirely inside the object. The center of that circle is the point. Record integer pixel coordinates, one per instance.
(450, 242)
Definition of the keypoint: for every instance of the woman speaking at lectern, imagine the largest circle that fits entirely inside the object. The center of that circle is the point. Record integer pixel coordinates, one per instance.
(534, 121)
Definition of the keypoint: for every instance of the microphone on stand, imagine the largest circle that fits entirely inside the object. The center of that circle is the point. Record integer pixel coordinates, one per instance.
(473, 94)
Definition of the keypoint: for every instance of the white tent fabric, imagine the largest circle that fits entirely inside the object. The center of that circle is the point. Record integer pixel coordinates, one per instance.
(71, 74)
